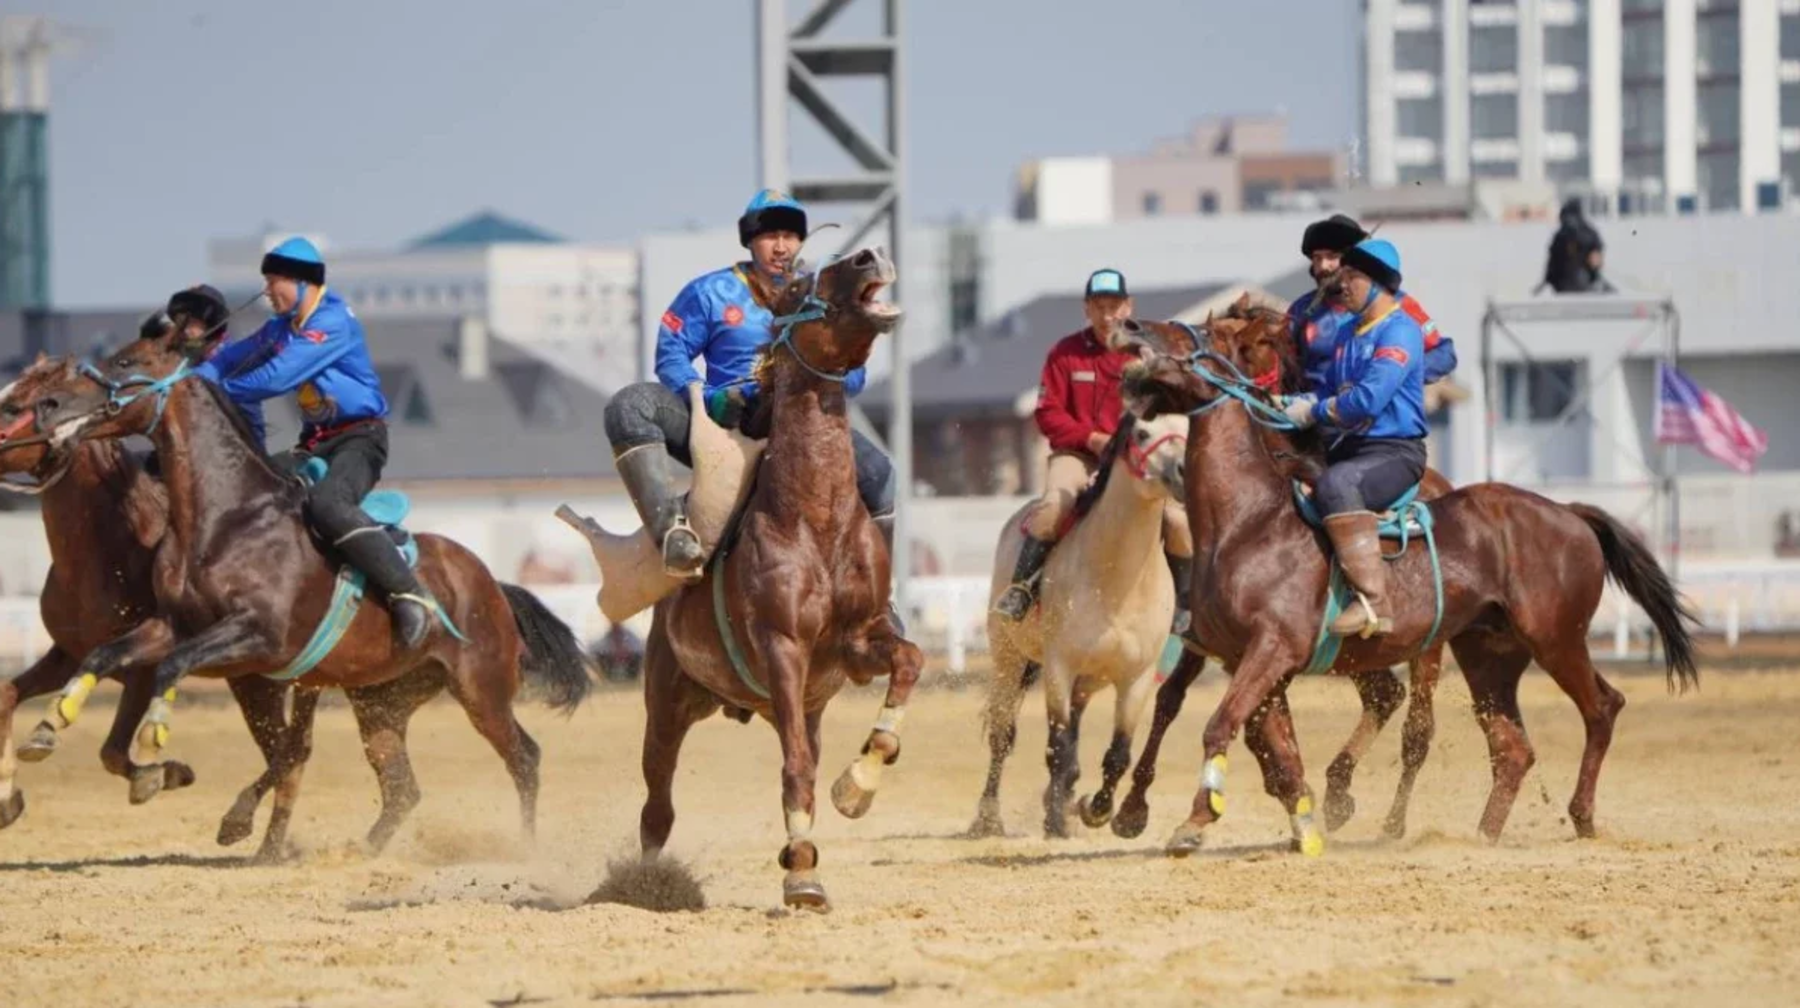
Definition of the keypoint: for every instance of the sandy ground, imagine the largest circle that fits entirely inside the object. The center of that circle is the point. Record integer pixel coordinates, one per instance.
(1690, 895)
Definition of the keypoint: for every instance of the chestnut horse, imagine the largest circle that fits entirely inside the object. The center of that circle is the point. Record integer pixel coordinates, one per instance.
(1262, 580)
(1275, 359)
(241, 586)
(802, 589)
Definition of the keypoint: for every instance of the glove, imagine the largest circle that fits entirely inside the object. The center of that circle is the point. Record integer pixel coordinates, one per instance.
(1299, 410)
(726, 406)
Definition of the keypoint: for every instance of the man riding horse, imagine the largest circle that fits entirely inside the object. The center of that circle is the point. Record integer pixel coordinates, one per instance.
(314, 348)
(1371, 396)
(1319, 316)
(724, 317)
(1078, 410)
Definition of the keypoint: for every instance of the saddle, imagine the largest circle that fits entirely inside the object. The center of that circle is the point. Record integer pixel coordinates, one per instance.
(1405, 519)
(386, 508)
(632, 578)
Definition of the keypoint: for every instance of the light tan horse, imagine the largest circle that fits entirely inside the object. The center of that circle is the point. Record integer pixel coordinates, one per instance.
(1105, 600)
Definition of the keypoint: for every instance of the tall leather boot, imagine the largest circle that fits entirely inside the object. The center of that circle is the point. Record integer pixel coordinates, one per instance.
(1356, 539)
(650, 477)
(885, 525)
(370, 550)
(1017, 600)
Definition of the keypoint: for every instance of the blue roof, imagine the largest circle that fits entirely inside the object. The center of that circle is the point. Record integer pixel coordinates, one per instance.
(485, 228)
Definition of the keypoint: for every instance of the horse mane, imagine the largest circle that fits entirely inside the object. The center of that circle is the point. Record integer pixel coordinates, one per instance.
(236, 418)
(1090, 494)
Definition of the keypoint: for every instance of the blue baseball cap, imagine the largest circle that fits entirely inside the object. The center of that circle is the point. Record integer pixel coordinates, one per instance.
(1106, 283)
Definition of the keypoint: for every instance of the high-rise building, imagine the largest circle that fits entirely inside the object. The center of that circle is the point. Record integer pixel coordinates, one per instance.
(25, 47)
(1648, 106)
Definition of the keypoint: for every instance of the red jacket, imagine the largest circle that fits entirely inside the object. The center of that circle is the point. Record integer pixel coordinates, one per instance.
(1079, 392)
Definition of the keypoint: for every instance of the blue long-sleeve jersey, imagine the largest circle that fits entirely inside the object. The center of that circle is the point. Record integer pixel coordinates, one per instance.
(717, 317)
(317, 352)
(1375, 386)
(1317, 323)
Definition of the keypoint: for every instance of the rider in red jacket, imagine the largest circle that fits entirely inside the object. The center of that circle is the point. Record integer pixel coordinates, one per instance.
(1078, 410)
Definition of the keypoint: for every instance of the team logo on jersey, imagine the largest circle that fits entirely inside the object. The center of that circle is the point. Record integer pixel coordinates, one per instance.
(1396, 354)
(671, 321)
(1312, 332)
(313, 335)
(734, 315)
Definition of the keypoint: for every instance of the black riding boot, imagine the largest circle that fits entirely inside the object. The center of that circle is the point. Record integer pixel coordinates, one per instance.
(371, 550)
(885, 525)
(1016, 601)
(650, 478)
(1182, 569)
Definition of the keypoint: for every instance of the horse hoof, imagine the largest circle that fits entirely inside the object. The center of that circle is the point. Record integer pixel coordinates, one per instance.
(1094, 814)
(1311, 845)
(987, 824)
(1186, 839)
(850, 798)
(1056, 829)
(39, 746)
(146, 783)
(12, 808)
(177, 775)
(1340, 808)
(802, 890)
(274, 854)
(1130, 821)
(1394, 828)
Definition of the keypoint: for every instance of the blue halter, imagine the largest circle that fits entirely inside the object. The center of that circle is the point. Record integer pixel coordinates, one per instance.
(1235, 386)
(141, 385)
(811, 310)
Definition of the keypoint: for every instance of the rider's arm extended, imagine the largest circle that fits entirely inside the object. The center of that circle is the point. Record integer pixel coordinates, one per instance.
(685, 330)
(1399, 350)
(297, 358)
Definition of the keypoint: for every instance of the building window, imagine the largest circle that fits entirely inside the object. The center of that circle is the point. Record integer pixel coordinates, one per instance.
(1494, 116)
(1421, 117)
(1790, 36)
(1538, 391)
(1209, 201)
(1152, 204)
(1494, 49)
(1418, 51)
(1258, 195)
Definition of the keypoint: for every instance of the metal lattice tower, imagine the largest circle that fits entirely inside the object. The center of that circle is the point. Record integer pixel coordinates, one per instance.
(791, 60)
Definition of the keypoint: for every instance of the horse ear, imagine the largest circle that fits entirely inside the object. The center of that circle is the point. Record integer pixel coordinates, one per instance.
(1242, 304)
(41, 358)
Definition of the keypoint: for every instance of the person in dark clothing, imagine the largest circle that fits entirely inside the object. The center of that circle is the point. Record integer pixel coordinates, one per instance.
(1576, 255)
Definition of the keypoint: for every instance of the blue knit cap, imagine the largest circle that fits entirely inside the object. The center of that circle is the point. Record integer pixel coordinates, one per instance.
(296, 258)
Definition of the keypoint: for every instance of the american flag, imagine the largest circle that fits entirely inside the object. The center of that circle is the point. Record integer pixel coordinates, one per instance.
(1689, 414)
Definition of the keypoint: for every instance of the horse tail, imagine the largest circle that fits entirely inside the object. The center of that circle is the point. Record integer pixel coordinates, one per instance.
(554, 662)
(1632, 567)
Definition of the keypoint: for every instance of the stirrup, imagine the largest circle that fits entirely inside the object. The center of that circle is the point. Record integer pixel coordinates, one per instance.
(1373, 624)
(1023, 591)
(670, 539)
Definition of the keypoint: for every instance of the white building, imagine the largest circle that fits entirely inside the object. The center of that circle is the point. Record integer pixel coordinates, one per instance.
(573, 304)
(1651, 106)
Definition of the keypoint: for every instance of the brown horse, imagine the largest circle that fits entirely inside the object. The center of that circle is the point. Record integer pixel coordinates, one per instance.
(1274, 358)
(805, 583)
(241, 586)
(1261, 584)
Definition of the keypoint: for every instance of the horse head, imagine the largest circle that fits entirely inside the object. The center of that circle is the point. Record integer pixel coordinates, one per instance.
(122, 394)
(23, 449)
(1247, 349)
(1155, 451)
(827, 322)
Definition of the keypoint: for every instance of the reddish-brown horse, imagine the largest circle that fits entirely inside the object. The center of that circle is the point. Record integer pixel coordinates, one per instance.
(1275, 360)
(241, 586)
(103, 517)
(805, 583)
(1261, 576)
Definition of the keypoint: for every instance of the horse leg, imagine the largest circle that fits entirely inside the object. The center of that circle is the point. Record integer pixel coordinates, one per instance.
(1134, 811)
(1062, 711)
(485, 685)
(234, 639)
(1381, 695)
(1415, 740)
(382, 714)
(1568, 663)
(115, 753)
(1128, 708)
(672, 704)
(48, 673)
(901, 660)
(263, 702)
(1492, 664)
(147, 642)
(296, 749)
(1000, 717)
(1266, 663)
(787, 667)
(1270, 736)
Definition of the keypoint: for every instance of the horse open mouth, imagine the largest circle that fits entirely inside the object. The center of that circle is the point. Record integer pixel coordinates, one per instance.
(867, 298)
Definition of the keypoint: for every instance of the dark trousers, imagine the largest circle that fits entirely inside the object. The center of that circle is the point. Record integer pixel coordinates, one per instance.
(1369, 474)
(648, 413)
(357, 456)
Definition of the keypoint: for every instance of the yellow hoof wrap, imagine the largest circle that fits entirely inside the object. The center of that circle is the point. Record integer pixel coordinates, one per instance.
(153, 731)
(1306, 833)
(1212, 778)
(74, 696)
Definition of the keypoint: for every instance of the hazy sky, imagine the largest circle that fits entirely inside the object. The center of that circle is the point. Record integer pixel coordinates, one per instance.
(374, 121)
